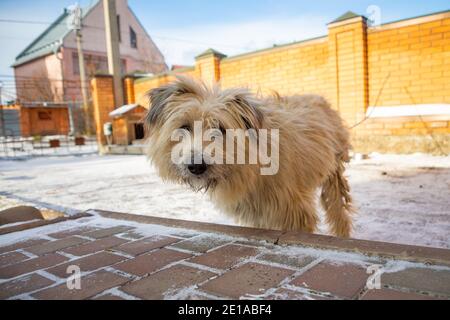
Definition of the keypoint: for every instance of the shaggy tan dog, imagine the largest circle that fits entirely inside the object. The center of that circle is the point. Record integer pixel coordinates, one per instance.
(313, 146)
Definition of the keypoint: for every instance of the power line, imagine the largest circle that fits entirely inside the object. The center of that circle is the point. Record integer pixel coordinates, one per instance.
(26, 97)
(15, 38)
(27, 21)
(143, 35)
(30, 78)
(164, 37)
(146, 36)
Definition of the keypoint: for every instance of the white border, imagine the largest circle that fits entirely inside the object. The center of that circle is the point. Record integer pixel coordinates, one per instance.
(408, 110)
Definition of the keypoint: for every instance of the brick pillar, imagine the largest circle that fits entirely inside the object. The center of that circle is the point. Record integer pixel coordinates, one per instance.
(207, 66)
(128, 86)
(347, 39)
(25, 123)
(103, 101)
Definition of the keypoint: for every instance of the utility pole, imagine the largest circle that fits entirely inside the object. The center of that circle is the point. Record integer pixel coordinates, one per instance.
(70, 107)
(113, 49)
(76, 26)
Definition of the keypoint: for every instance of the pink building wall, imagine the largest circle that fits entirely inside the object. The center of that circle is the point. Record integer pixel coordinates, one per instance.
(146, 57)
(38, 79)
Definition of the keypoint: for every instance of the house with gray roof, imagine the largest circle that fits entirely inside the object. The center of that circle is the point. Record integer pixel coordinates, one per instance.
(47, 70)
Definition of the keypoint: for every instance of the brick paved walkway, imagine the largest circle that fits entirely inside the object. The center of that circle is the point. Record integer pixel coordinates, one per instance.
(134, 257)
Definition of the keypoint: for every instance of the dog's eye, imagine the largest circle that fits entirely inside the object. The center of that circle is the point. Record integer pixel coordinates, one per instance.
(186, 127)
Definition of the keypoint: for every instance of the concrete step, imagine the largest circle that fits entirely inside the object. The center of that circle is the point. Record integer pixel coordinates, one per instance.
(134, 149)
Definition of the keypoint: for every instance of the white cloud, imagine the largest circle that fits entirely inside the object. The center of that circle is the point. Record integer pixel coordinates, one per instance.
(234, 38)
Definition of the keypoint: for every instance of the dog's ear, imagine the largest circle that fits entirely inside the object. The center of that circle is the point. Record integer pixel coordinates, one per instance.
(246, 106)
(159, 97)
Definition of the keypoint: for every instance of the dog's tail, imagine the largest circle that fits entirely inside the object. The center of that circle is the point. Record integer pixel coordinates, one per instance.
(337, 202)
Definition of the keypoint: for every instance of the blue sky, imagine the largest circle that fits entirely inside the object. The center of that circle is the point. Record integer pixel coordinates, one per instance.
(184, 28)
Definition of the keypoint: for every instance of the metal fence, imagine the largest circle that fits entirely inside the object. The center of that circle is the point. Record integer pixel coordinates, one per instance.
(9, 122)
(17, 148)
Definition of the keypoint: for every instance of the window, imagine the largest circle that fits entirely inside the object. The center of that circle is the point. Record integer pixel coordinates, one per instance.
(118, 28)
(93, 64)
(133, 38)
(45, 115)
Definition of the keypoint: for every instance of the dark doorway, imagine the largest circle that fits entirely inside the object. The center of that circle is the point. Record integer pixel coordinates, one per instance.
(139, 131)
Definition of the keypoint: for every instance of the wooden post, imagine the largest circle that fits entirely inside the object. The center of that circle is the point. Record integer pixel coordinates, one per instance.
(113, 49)
(84, 92)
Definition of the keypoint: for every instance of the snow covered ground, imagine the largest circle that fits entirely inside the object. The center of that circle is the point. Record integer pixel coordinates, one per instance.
(400, 198)
(19, 148)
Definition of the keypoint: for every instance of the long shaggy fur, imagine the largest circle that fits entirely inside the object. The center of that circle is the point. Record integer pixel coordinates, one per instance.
(313, 147)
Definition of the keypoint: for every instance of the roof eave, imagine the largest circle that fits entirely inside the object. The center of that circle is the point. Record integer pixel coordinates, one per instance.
(44, 54)
(57, 21)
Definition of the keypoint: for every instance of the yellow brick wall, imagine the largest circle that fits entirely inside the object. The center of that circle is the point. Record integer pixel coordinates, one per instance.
(348, 67)
(414, 63)
(300, 68)
(348, 64)
(121, 132)
(103, 102)
(208, 69)
(417, 57)
(128, 89)
(143, 86)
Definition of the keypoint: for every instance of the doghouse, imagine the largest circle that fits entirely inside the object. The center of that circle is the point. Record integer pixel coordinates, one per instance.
(40, 120)
(128, 126)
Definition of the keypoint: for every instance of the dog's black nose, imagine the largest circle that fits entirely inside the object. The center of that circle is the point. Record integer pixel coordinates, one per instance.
(197, 169)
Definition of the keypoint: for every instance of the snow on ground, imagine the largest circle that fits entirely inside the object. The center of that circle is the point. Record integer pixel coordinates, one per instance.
(400, 198)
(19, 148)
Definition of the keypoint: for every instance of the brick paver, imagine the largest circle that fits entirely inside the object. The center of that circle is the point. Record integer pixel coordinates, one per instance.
(22, 245)
(72, 232)
(132, 235)
(225, 257)
(31, 265)
(388, 294)
(421, 279)
(200, 243)
(338, 278)
(147, 244)
(108, 296)
(166, 283)
(89, 263)
(210, 262)
(254, 243)
(103, 233)
(377, 248)
(91, 285)
(184, 234)
(53, 246)
(249, 279)
(11, 257)
(151, 262)
(296, 261)
(287, 294)
(95, 246)
(23, 284)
